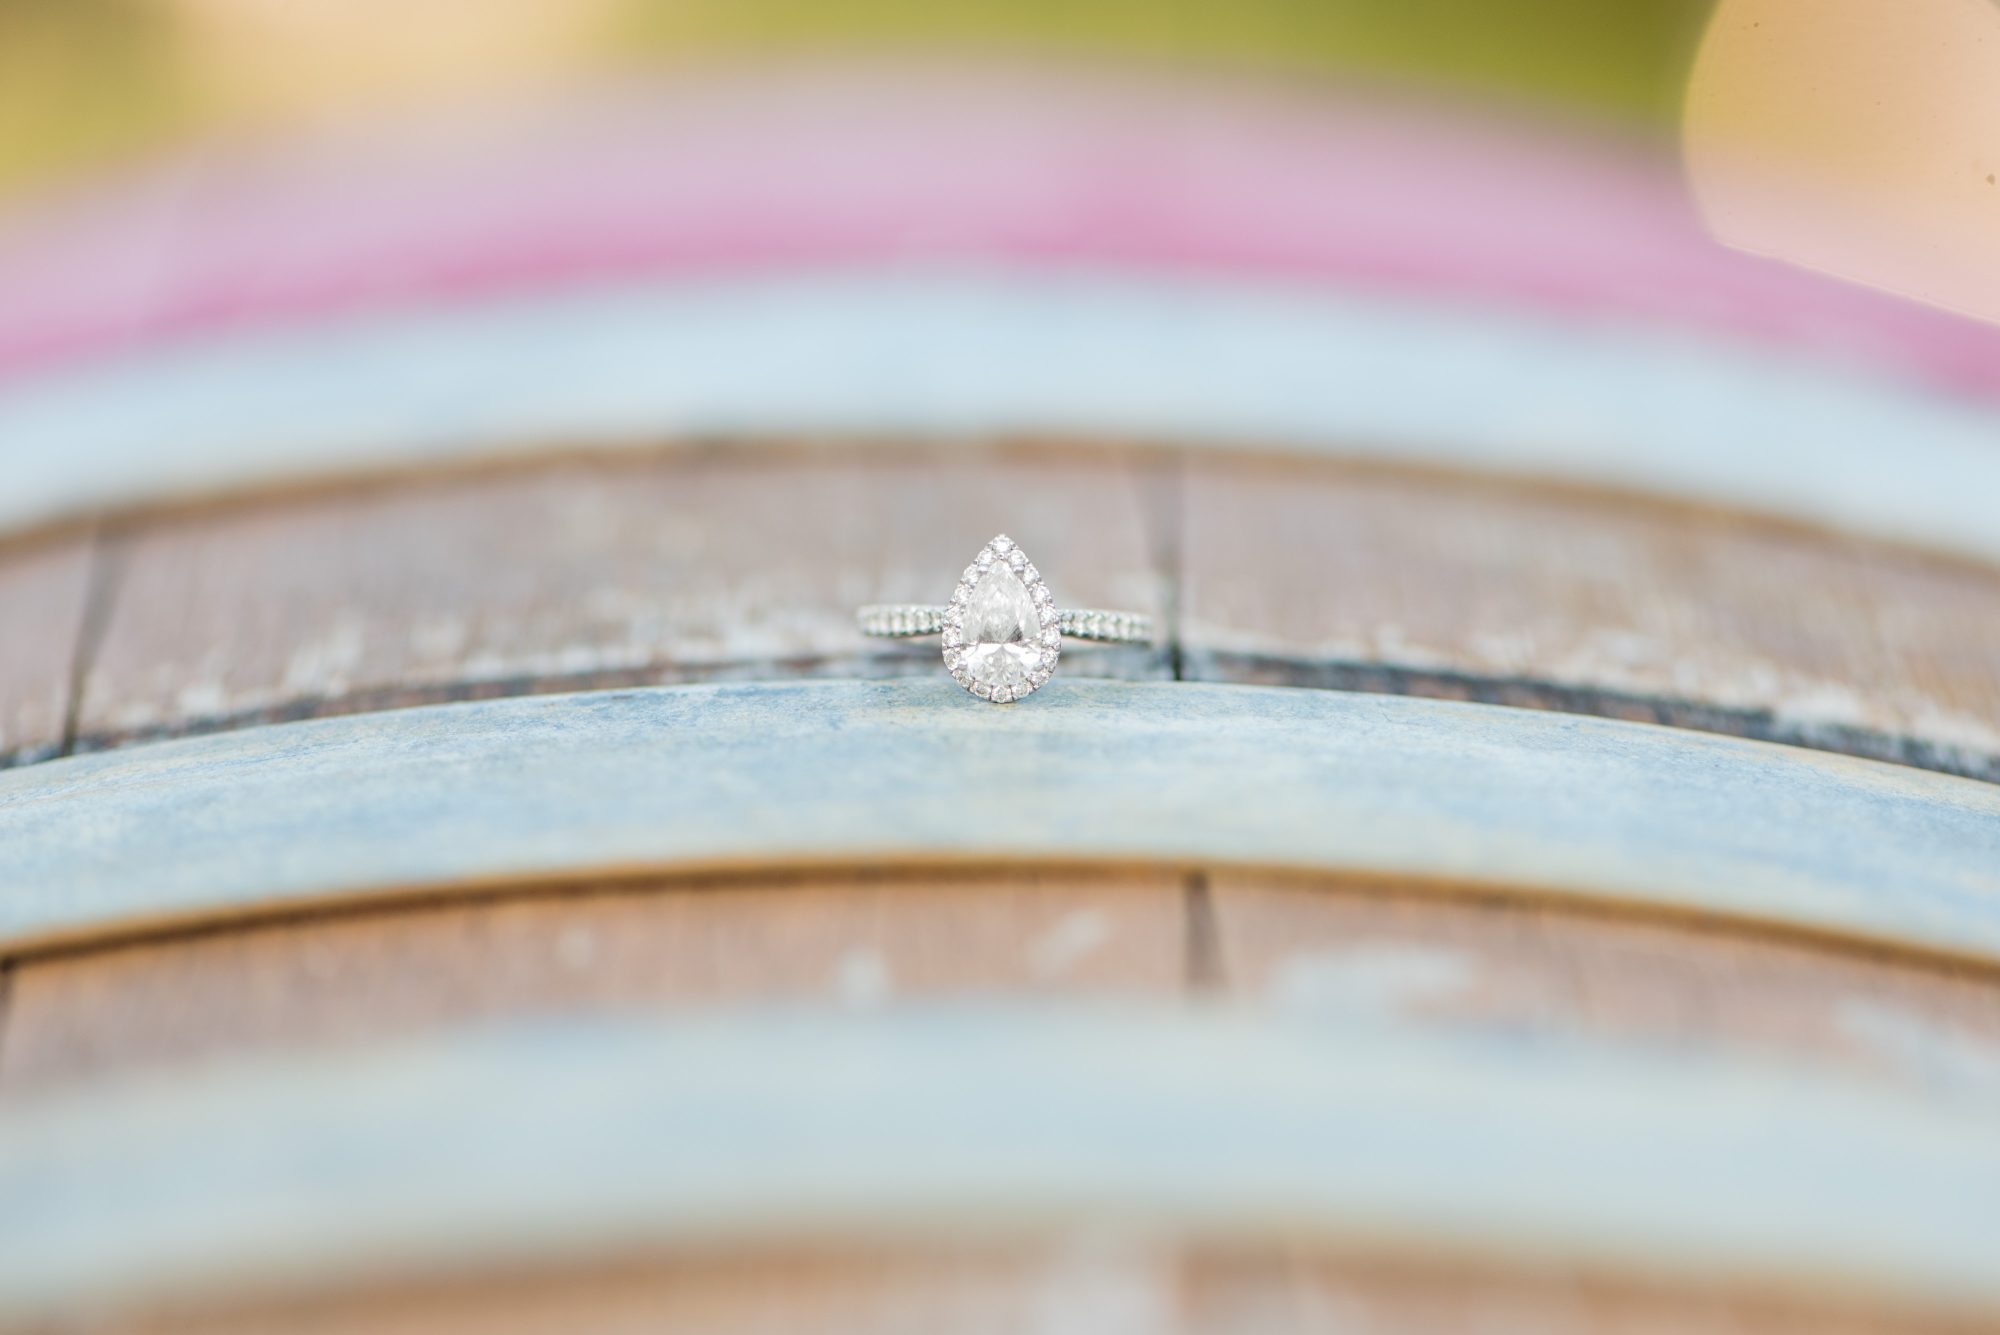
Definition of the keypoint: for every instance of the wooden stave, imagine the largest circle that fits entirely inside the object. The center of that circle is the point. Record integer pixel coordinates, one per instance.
(1760, 1179)
(1579, 601)
(1761, 1296)
(952, 353)
(511, 791)
(1926, 1049)
(1445, 957)
(45, 589)
(1940, 1019)
(1902, 1310)
(1007, 1289)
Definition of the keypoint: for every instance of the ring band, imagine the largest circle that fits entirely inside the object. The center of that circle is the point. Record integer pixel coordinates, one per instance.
(910, 620)
(1002, 630)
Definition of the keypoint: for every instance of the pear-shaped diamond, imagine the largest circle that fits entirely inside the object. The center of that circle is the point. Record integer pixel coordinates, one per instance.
(1006, 640)
(1001, 630)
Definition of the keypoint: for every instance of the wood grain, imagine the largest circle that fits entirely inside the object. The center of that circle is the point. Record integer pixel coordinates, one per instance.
(661, 568)
(1447, 585)
(694, 564)
(1331, 951)
(745, 563)
(833, 938)
(956, 355)
(377, 807)
(44, 590)
(745, 1128)
(1083, 1288)
(1301, 946)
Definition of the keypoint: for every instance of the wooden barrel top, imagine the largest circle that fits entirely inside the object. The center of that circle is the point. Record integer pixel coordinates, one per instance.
(461, 869)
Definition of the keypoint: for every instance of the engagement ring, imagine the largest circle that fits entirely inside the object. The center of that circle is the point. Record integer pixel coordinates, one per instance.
(1002, 630)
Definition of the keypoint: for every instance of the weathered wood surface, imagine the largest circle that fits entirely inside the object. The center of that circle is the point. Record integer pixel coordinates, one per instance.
(949, 354)
(245, 981)
(1310, 946)
(706, 564)
(44, 591)
(1306, 951)
(266, 820)
(897, 1127)
(738, 563)
(1302, 945)
(1445, 585)
(825, 938)
(1082, 1288)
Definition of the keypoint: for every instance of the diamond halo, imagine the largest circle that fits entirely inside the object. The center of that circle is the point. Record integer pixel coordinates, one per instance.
(1002, 629)
(1002, 633)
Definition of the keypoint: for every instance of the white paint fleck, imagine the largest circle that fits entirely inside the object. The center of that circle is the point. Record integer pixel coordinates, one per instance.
(486, 665)
(576, 948)
(202, 699)
(1374, 980)
(1625, 647)
(1934, 1052)
(324, 666)
(135, 714)
(578, 658)
(440, 638)
(1067, 942)
(861, 979)
(564, 660)
(625, 605)
(1392, 645)
(1103, 1288)
(1824, 702)
(1930, 720)
(1505, 651)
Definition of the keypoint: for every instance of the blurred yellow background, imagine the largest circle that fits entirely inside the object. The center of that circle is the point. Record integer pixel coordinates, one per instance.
(83, 82)
(1857, 137)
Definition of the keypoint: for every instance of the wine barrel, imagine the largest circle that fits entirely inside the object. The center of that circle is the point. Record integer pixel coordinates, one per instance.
(460, 868)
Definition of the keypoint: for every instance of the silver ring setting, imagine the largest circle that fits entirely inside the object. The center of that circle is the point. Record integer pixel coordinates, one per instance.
(1003, 633)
